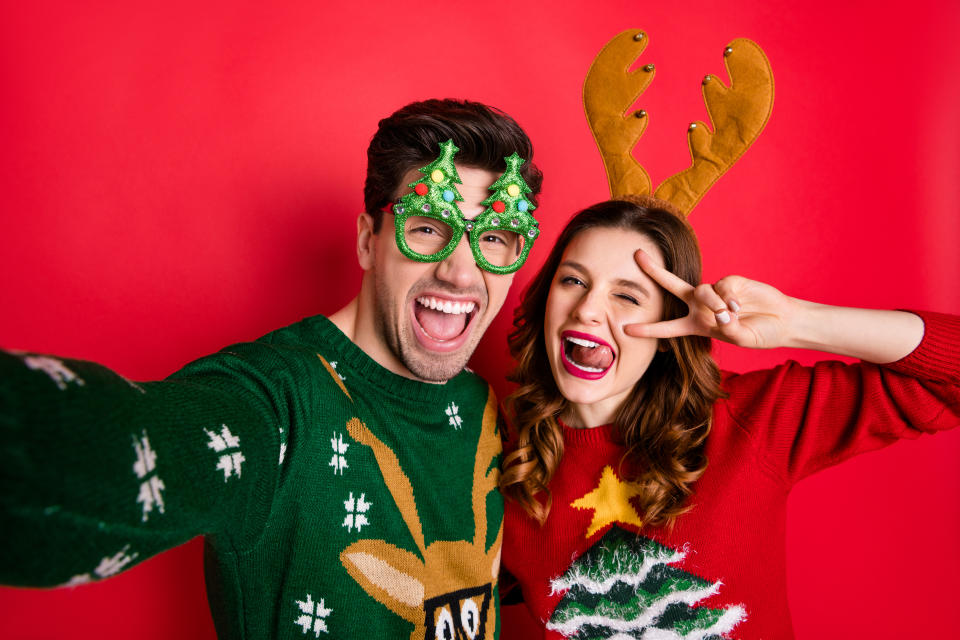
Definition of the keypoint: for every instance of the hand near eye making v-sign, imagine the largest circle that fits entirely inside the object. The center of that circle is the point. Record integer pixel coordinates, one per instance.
(753, 314)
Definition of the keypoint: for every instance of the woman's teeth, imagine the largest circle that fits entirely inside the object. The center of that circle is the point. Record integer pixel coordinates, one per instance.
(587, 355)
(586, 368)
(446, 306)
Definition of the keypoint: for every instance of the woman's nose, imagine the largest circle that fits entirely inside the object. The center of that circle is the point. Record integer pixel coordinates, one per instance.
(588, 310)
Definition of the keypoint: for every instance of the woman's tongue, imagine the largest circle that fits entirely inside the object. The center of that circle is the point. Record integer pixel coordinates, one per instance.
(597, 357)
(439, 325)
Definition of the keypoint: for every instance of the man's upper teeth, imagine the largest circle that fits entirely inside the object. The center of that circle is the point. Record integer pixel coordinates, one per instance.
(582, 342)
(446, 306)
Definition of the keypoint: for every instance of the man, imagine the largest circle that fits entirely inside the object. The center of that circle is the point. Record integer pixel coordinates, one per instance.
(342, 470)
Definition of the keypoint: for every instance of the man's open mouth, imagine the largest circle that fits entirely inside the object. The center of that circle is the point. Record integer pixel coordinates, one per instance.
(442, 320)
(586, 356)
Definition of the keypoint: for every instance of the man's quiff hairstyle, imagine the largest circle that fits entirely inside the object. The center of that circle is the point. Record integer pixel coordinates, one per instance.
(410, 139)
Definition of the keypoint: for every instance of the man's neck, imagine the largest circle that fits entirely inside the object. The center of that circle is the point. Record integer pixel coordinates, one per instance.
(357, 324)
(346, 320)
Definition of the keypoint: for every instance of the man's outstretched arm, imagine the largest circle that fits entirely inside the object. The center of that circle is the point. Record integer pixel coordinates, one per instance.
(98, 472)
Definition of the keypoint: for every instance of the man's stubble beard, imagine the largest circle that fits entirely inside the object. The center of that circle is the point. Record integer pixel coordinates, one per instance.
(398, 334)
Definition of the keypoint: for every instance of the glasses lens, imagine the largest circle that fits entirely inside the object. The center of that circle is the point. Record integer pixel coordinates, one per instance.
(426, 236)
(500, 247)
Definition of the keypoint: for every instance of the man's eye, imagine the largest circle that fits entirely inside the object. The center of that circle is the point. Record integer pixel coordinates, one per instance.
(492, 238)
(425, 230)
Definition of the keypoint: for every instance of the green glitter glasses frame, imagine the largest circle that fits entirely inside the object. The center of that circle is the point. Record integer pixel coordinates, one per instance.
(429, 224)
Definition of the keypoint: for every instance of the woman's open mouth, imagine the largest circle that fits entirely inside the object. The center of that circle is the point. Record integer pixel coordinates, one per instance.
(585, 356)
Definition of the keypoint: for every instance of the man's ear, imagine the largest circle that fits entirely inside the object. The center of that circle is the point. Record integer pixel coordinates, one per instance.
(366, 238)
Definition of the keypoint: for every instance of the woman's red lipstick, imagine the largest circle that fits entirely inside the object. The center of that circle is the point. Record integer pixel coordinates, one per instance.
(578, 370)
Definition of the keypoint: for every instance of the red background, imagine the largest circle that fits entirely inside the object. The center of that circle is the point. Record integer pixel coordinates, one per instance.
(179, 178)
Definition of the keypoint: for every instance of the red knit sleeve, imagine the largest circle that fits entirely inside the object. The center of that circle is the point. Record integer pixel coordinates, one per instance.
(803, 419)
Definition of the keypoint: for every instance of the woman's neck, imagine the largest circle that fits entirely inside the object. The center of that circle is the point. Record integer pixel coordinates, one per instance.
(587, 416)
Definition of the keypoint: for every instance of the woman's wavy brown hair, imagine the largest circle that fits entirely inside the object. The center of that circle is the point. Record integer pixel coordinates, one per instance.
(664, 423)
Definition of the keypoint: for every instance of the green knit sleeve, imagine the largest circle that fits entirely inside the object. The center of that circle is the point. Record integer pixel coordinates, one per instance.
(98, 473)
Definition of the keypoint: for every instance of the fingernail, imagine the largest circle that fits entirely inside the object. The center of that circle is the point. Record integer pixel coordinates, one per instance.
(723, 317)
(733, 306)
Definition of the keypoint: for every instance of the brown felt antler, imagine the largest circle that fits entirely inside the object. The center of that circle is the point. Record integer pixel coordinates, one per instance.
(738, 114)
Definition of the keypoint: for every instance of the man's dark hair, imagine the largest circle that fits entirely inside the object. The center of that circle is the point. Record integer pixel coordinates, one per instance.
(411, 137)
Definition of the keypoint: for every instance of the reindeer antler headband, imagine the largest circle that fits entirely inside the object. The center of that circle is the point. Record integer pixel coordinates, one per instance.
(738, 114)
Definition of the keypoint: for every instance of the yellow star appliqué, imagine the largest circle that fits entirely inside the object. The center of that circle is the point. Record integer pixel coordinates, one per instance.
(610, 502)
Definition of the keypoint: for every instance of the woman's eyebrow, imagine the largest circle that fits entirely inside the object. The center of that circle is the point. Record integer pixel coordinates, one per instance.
(620, 282)
(632, 284)
(573, 265)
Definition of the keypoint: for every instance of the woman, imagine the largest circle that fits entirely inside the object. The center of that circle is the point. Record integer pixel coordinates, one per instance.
(646, 491)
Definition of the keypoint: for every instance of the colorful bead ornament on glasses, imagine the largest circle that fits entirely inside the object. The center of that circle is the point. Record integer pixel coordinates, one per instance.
(436, 196)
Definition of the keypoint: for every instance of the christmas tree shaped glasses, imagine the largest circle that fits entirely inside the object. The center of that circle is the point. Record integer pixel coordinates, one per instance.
(429, 224)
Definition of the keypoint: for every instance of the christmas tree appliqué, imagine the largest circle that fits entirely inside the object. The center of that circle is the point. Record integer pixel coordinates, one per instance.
(338, 461)
(356, 509)
(314, 615)
(453, 416)
(624, 587)
(151, 488)
(228, 446)
(55, 369)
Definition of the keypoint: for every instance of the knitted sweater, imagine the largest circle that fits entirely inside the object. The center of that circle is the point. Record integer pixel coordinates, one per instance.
(591, 573)
(337, 499)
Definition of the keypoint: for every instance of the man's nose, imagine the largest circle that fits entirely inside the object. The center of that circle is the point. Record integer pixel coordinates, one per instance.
(459, 268)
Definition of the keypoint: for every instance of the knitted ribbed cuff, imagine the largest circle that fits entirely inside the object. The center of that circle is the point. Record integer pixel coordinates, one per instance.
(938, 355)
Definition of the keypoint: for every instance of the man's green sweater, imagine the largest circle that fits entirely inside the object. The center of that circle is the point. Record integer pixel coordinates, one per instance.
(337, 499)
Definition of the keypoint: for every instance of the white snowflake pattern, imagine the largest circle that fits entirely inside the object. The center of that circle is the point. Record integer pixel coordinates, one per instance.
(133, 385)
(228, 446)
(355, 512)
(145, 467)
(109, 565)
(55, 369)
(314, 616)
(338, 461)
(339, 375)
(454, 417)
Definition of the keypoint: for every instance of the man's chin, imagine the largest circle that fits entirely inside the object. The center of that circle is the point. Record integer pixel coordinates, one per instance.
(435, 367)
(435, 360)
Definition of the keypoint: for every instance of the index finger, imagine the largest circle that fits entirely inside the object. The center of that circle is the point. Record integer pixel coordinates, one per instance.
(676, 328)
(674, 284)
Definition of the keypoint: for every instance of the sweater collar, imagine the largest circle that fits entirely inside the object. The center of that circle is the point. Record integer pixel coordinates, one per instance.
(359, 363)
(590, 436)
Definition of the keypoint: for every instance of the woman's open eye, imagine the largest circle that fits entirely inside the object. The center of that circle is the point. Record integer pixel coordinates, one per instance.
(571, 280)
